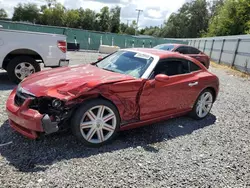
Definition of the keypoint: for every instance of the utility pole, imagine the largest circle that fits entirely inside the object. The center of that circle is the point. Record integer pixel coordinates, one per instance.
(128, 22)
(139, 11)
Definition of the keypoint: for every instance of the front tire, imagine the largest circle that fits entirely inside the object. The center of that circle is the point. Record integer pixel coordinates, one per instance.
(95, 122)
(203, 105)
(21, 67)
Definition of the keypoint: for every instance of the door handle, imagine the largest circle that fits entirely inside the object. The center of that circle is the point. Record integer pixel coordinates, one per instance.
(193, 84)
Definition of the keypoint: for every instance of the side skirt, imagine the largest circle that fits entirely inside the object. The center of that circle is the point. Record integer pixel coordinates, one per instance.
(151, 121)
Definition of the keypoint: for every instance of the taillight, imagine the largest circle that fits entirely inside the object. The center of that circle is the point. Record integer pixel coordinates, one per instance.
(62, 45)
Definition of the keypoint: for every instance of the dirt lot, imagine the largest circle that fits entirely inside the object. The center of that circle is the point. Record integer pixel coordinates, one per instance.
(214, 152)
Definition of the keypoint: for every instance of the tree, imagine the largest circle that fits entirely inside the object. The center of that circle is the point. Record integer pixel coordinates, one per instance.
(103, 19)
(3, 13)
(191, 20)
(232, 19)
(214, 7)
(51, 2)
(87, 19)
(131, 29)
(123, 27)
(115, 19)
(26, 12)
(154, 31)
(71, 18)
(53, 16)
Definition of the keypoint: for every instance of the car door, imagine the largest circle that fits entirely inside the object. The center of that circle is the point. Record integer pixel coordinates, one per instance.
(176, 95)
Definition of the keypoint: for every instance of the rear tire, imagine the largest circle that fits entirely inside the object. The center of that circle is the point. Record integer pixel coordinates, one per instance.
(21, 67)
(202, 105)
(95, 122)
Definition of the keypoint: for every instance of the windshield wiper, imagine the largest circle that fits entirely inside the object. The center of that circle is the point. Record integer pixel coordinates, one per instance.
(109, 70)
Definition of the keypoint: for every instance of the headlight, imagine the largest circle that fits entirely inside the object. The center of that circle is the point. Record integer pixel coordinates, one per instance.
(56, 103)
(24, 91)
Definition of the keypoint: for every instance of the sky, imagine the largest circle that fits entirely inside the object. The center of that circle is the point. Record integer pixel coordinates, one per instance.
(154, 11)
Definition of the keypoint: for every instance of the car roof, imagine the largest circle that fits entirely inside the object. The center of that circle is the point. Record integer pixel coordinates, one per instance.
(162, 54)
(153, 51)
(175, 44)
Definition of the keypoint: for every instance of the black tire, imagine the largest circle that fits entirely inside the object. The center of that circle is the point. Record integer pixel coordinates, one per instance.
(193, 113)
(17, 60)
(78, 115)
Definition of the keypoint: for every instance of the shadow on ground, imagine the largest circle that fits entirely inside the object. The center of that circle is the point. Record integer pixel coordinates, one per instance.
(32, 156)
(5, 83)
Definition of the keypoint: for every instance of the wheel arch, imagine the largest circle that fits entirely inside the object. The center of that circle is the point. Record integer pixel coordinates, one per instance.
(213, 92)
(20, 52)
(99, 96)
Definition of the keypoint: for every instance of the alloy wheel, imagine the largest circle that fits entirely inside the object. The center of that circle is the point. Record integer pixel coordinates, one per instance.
(204, 104)
(98, 124)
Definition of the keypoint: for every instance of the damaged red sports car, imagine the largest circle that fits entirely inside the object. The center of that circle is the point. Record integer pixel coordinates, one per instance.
(126, 89)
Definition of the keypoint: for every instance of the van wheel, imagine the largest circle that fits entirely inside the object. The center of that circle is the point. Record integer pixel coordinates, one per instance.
(21, 67)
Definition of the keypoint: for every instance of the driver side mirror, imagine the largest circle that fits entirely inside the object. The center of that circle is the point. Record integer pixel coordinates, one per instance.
(161, 78)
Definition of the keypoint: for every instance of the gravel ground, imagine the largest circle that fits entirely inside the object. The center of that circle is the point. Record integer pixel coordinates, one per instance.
(214, 152)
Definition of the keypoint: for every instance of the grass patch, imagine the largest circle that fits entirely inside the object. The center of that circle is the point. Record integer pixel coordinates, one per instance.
(230, 70)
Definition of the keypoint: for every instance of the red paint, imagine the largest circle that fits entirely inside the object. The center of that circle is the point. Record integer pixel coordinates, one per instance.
(70, 81)
(139, 101)
(202, 57)
(22, 119)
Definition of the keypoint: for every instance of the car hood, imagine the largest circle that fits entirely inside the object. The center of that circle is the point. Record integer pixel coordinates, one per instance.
(68, 81)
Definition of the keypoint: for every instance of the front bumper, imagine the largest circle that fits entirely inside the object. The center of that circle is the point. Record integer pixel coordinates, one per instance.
(27, 121)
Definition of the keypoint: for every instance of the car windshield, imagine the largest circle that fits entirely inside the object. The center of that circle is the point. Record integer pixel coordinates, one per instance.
(165, 47)
(126, 62)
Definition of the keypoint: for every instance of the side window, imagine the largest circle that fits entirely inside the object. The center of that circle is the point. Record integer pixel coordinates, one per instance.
(193, 67)
(193, 50)
(171, 67)
(182, 50)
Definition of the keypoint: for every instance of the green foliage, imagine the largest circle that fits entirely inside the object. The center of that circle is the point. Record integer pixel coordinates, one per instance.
(153, 31)
(115, 19)
(3, 13)
(55, 15)
(27, 12)
(71, 18)
(190, 21)
(232, 19)
(87, 19)
(104, 19)
(196, 18)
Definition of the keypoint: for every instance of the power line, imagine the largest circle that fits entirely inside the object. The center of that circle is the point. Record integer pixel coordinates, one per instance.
(139, 11)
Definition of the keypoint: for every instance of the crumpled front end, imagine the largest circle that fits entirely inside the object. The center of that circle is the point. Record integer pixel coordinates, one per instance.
(28, 117)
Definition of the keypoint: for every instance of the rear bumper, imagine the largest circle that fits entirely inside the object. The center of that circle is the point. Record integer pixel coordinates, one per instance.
(61, 63)
(64, 62)
(27, 121)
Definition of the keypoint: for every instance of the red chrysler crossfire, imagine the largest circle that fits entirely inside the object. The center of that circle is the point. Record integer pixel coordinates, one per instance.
(126, 89)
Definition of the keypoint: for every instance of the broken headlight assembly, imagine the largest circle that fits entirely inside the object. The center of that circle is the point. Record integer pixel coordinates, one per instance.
(46, 105)
(56, 103)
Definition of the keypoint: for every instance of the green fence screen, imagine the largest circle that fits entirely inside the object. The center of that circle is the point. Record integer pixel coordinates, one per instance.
(91, 40)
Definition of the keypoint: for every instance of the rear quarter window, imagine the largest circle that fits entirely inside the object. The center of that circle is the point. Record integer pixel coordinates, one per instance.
(193, 51)
(193, 67)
